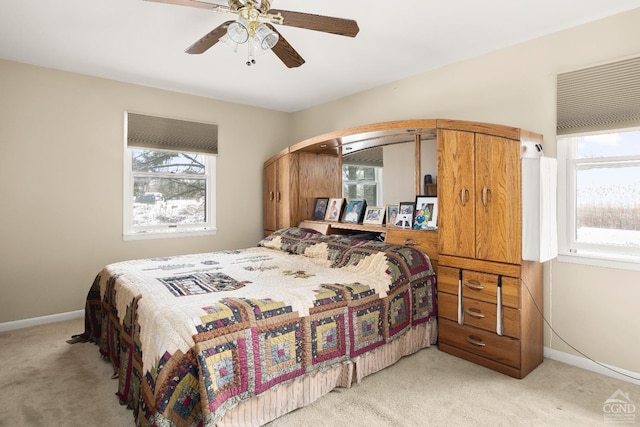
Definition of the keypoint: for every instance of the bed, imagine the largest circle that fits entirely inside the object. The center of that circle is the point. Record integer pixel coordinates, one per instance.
(242, 337)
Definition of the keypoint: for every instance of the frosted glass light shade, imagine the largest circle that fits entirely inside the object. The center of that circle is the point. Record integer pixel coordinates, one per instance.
(266, 38)
(238, 31)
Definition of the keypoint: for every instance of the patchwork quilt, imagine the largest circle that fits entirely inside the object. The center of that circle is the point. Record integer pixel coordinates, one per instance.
(191, 336)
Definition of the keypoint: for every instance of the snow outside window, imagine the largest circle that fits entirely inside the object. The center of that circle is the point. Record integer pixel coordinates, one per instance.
(599, 198)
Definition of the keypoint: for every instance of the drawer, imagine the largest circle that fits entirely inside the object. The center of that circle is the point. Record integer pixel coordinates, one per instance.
(448, 279)
(480, 314)
(480, 286)
(448, 306)
(484, 287)
(424, 240)
(502, 349)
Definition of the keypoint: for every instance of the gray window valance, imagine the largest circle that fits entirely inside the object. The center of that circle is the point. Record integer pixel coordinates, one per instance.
(599, 98)
(161, 133)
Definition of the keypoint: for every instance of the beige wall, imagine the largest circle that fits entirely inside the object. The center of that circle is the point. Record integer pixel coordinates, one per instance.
(61, 157)
(594, 309)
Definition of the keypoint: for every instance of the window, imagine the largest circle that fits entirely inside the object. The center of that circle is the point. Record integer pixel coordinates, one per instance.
(169, 181)
(598, 130)
(169, 192)
(599, 215)
(361, 182)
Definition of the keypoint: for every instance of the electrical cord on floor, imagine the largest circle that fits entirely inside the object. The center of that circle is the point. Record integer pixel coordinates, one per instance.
(565, 341)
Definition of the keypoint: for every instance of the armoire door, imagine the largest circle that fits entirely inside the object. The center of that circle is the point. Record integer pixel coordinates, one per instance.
(456, 171)
(285, 194)
(498, 199)
(269, 197)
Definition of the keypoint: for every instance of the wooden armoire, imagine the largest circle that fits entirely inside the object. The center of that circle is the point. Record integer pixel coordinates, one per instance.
(292, 181)
(488, 248)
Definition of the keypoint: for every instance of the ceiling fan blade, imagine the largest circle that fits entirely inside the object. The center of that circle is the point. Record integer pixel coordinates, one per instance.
(195, 3)
(209, 40)
(327, 24)
(285, 51)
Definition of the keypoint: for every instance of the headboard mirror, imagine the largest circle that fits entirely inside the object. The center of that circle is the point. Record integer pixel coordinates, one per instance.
(383, 169)
(404, 151)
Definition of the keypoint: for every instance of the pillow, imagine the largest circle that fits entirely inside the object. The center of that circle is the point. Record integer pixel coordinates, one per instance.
(286, 239)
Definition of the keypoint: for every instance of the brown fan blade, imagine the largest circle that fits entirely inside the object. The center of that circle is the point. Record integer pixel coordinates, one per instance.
(285, 51)
(195, 3)
(210, 39)
(327, 24)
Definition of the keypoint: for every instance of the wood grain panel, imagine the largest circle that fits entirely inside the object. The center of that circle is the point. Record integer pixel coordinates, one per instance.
(287, 177)
(423, 240)
(316, 178)
(512, 270)
(532, 324)
(448, 279)
(484, 287)
(269, 197)
(480, 314)
(456, 202)
(483, 343)
(485, 128)
(482, 361)
(498, 199)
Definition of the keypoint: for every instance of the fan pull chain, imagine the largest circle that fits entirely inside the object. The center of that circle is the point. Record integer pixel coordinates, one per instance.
(250, 49)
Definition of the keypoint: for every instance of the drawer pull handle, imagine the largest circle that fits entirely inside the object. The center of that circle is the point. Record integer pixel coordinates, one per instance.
(474, 313)
(474, 285)
(473, 340)
(411, 242)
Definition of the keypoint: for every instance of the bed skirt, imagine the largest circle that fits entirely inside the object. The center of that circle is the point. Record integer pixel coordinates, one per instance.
(287, 397)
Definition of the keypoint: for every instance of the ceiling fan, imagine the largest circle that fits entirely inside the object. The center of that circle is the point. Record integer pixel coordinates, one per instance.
(255, 26)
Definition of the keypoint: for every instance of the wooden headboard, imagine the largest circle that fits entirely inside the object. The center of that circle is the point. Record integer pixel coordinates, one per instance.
(318, 226)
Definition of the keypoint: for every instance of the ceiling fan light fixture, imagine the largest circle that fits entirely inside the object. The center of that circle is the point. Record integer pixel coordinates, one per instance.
(227, 40)
(238, 31)
(267, 38)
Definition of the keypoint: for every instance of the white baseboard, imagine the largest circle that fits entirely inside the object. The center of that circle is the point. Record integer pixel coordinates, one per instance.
(589, 365)
(36, 321)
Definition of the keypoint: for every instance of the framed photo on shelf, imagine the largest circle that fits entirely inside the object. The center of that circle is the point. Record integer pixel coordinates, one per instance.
(334, 210)
(405, 214)
(354, 211)
(392, 215)
(426, 214)
(320, 209)
(374, 215)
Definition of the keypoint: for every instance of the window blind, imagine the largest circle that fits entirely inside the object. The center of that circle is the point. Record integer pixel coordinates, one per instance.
(366, 157)
(161, 133)
(599, 98)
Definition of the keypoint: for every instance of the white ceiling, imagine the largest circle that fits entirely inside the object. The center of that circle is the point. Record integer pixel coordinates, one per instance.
(143, 42)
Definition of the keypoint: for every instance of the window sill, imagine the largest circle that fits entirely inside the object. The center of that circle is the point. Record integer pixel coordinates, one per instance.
(602, 260)
(166, 234)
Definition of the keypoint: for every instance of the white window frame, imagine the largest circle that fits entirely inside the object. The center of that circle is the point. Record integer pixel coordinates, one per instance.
(133, 232)
(377, 181)
(570, 250)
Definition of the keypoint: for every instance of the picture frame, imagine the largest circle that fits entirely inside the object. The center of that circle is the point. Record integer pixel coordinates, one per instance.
(426, 213)
(334, 209)
(405, 214)
(374, 215)
(354, 211)
(392, 215)
(320, 208)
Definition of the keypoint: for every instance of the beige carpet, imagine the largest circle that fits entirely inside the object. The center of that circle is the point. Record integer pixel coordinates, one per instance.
(46, 382)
